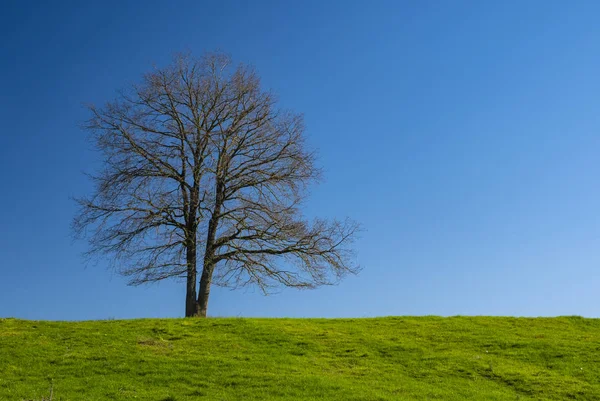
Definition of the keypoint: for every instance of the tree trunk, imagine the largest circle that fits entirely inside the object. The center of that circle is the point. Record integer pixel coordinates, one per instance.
(191, 305)
(203, 294)
(208, 265)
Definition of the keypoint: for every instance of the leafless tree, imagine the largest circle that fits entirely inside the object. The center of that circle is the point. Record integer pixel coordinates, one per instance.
(202, 172)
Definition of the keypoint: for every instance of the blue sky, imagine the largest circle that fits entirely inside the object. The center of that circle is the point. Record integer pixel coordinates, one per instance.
(464, 135)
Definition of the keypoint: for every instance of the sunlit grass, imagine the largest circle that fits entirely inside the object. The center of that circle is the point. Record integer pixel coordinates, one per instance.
(398, 358)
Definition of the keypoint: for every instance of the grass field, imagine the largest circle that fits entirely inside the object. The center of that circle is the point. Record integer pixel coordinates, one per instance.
(396, 358)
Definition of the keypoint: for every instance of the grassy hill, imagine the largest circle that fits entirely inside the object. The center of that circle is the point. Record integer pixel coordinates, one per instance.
(396, 358)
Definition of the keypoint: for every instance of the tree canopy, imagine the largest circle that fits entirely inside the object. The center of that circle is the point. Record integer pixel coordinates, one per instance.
(203, 178)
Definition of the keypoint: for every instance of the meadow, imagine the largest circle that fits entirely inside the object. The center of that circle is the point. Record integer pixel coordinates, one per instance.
(370, 359)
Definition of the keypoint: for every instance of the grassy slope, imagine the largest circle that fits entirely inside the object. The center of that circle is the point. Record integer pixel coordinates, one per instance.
(404, 358)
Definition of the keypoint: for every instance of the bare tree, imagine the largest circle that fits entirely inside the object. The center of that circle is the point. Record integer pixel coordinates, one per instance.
(202, 170)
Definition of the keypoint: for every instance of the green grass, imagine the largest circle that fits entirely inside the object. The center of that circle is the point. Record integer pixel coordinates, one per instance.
(396, 358)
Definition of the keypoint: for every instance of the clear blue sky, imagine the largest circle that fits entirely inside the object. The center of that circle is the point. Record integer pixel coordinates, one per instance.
(465, 136)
